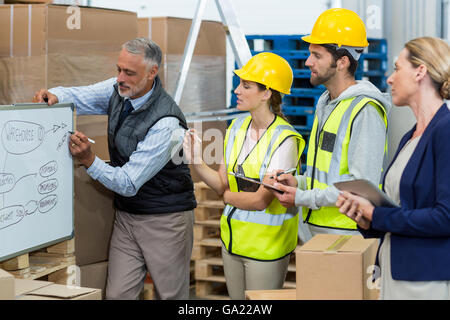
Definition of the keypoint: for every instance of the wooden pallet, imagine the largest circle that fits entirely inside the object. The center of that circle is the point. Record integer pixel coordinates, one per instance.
(206, 251)
(207, 223)
(208, 210)
(211, 290)
(290, 281)
(210, 280)
(211, 270)
(206, 229)
(204, 193)
(55, 263)
(206, 248)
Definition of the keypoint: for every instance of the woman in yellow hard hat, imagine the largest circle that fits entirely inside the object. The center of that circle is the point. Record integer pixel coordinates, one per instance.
(257, 233)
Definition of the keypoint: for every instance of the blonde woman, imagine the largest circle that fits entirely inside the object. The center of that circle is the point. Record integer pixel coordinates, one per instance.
(414, 254)
(257, 233)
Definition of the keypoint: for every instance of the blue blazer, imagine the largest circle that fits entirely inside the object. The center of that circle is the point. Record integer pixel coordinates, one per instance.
(420, 241)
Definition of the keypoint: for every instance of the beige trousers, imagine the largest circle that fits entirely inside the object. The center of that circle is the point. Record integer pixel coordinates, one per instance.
(160, 244)
(246, 274)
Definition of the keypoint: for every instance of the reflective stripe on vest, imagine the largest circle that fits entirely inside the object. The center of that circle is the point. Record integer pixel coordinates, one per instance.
(327, 158)
(269, 234)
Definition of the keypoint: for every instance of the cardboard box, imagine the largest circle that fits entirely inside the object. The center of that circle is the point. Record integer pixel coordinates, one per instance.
(43, 290)
(94, 209)
(205, 86)
(94, 218)
(44, 46)
(331, 267)
(23, 286)
(6, 285)
(94, 276)
(96, 128)
(283, 294)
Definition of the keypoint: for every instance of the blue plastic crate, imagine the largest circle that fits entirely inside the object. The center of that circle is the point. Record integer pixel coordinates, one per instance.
(373, 65)
(377, 46)
(302, 97)
(298, 111)
(302, 73)
(292, 43)
(308, 92)
(301, 102)
(276, 42)
(301, 118)
(307, 102)
(293, 121)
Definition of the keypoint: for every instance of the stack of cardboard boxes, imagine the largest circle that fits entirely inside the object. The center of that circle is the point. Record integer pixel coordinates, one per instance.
(53, 45)
(205, 87)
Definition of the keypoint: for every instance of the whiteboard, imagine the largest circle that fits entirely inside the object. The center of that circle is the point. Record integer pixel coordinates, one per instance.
(36, 177)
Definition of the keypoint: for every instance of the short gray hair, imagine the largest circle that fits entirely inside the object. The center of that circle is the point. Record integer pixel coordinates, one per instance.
(146, 47)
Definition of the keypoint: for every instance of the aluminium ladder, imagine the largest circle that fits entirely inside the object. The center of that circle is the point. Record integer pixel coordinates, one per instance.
(234, 34)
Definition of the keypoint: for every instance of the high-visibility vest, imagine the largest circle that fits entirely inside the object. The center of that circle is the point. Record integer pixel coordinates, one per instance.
(269, 234)
(327, 159)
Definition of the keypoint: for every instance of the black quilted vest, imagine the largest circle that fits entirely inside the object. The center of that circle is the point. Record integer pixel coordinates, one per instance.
(171, 189)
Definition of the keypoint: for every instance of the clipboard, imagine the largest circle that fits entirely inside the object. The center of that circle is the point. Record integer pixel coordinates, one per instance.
(367, 190)
(241, 176)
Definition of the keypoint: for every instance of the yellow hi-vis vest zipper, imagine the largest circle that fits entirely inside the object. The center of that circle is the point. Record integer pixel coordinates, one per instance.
(269, 234)
(327, 159)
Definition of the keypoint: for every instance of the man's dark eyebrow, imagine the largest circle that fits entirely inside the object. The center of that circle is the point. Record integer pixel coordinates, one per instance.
(126, 70)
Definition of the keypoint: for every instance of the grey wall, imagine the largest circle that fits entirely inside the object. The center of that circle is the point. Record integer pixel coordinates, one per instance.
(406, 20)
(402, 20)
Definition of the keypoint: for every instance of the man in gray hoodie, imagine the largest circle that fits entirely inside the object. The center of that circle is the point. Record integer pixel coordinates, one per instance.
(348, 139)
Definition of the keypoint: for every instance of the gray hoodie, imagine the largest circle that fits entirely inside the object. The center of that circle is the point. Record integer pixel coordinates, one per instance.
(366, 146)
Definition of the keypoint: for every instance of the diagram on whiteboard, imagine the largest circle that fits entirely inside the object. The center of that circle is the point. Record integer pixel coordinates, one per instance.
(36, 178)
(19, 138)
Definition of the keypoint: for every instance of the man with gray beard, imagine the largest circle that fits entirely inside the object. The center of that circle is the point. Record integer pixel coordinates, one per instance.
(153, 195)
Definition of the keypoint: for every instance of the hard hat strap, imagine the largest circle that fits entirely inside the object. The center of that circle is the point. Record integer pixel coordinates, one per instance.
(355, 52)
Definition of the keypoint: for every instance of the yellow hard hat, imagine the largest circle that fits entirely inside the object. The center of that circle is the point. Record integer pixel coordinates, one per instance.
(270, 70)
(339, 26)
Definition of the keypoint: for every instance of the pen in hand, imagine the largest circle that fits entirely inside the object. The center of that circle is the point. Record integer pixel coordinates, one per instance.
(285, 171)
(89, 139)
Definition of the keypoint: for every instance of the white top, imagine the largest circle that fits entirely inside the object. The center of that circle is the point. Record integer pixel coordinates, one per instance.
(393, 176)
(285, 157)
